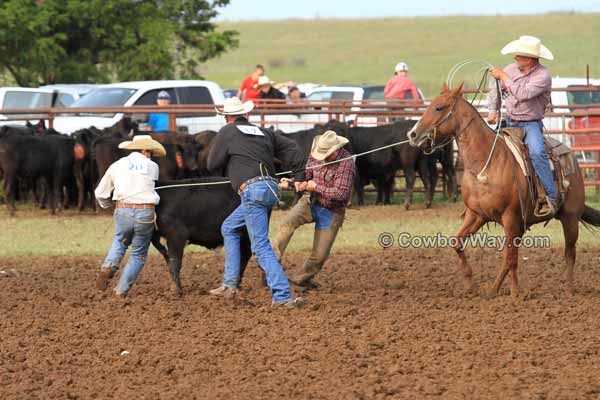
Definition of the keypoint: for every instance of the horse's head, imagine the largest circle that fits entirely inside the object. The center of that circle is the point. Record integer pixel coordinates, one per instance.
(436, 124)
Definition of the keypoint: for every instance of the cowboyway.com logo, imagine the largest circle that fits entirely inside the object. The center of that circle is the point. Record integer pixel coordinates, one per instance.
(406, 240)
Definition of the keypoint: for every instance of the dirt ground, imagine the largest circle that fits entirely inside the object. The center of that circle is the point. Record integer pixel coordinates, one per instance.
(386, 324)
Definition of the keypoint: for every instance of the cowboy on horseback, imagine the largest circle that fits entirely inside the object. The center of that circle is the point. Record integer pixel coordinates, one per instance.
(528, 84)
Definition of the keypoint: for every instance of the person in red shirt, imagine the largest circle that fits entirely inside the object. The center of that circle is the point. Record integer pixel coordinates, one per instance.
(400, 85)
(249, 89)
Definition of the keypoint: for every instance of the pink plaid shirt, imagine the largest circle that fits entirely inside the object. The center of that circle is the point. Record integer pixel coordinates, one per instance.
(334, 182)
(528, 94)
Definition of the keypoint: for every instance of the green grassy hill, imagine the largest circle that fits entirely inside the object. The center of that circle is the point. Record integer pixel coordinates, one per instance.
(366, 50)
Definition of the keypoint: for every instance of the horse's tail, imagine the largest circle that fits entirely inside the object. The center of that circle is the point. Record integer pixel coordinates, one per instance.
(591, 216)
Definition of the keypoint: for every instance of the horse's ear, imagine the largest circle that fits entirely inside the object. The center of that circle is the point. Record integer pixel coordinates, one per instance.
(458, 90)
(444, 89)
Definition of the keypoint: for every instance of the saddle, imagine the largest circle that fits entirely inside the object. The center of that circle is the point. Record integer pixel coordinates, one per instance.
(561, 160)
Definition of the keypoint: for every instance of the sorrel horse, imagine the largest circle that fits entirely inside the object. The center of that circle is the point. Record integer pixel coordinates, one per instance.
(497, 197)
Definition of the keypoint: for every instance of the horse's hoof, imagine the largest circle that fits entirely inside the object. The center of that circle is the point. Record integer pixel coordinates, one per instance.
(406, 206)
(570, 290)
(489, 293)
(177, 290)
(516, 296)
(471, 290)
(428, 204)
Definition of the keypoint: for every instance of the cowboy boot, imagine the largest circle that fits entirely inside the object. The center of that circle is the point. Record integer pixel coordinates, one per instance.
(104, 276)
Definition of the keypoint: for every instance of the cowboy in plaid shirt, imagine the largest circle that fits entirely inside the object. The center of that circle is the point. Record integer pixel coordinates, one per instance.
(327, 192)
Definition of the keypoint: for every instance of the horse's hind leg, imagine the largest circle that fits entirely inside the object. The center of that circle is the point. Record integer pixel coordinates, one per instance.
(570, 224)
(471, 224)
(513, 231)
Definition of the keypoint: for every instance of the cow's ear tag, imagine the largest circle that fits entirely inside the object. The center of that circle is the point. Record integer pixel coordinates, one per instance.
(250, 130)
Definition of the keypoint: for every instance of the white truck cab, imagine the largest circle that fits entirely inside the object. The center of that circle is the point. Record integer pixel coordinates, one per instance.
(144, 93)
(23, 98)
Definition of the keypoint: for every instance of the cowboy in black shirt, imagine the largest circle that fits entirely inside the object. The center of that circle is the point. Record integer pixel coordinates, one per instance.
(247, 154)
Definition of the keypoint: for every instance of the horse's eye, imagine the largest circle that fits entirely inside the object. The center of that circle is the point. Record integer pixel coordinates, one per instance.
(439, 108)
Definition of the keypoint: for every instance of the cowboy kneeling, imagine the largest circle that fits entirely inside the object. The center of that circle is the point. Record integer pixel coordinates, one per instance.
(131, 180)
(328, 190)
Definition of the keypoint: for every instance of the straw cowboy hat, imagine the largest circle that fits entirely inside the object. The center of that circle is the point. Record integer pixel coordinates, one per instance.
(144, 142)
(528, 46)
(264, 80)
(326, 144)
(233, 106)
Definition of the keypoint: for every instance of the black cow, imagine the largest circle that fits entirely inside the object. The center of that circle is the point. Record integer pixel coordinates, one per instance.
(380, 167)
(194, 214)
(178, 160)
(186, 152)
(30, 158)
(87, 176)
(445, 156)
(204, 141)
(105, 151)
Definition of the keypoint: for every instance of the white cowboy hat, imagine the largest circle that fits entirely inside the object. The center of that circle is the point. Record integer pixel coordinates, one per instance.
(528, 46)
(401, 66)
(325, 144)
(144, 142)
(264, 80)
(234, 106)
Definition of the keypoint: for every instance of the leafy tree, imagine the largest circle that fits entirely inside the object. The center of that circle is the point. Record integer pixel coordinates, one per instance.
(66, 41)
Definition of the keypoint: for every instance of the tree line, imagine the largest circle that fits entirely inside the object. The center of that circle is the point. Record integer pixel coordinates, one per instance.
(98, 41)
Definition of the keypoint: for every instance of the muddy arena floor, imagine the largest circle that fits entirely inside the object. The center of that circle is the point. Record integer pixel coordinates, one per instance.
(383, 324)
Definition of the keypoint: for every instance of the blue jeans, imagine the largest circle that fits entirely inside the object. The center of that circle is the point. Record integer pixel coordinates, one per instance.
(253, 213)
(133, 226)
(322, 216)
(534, 139)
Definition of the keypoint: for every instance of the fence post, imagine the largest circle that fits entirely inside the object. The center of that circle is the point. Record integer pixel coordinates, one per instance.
(597, 173)
(173, 122)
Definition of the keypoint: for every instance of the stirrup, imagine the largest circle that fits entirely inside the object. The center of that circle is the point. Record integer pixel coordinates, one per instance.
(545, 210)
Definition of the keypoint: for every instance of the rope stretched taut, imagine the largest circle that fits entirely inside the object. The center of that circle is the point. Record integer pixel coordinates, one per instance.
(352, 157)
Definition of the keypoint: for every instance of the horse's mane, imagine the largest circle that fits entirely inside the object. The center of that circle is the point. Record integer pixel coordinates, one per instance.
(477, 113)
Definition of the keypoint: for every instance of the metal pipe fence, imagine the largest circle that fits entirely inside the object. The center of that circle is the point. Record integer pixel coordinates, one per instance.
(307, 113)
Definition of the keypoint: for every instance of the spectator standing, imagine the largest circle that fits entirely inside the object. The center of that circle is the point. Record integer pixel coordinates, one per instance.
(267, 91)
(398, 87)
(249, 89)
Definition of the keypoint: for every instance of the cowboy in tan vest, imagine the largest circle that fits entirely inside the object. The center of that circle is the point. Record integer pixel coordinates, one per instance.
(327, 191)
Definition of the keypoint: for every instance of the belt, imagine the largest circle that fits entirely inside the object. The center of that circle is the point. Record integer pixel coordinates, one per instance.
(244, 185)
(120, 204)
(509, 119)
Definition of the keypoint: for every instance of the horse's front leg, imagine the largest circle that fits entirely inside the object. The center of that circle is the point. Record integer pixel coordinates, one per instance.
(471, 224)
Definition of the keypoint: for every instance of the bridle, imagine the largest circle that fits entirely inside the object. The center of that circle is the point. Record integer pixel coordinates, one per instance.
(432, 134)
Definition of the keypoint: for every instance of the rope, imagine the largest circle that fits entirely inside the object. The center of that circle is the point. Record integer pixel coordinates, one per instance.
(457, 67)
(480, 176)
(291, 171)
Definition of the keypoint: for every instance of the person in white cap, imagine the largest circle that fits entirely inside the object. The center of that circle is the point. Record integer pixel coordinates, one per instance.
(267, 91)
(246, 154)
(131, 181)
(528, 86)
(328, 189)
(399, 86)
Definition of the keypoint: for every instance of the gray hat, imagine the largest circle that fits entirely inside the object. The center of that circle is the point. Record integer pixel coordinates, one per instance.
(163, 94)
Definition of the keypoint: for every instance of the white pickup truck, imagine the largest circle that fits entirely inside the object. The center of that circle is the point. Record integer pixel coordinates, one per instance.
(293, 123)
(144, 94)
(25, 99)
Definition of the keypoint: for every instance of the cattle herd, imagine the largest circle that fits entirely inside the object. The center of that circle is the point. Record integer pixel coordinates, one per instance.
(59, 171)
